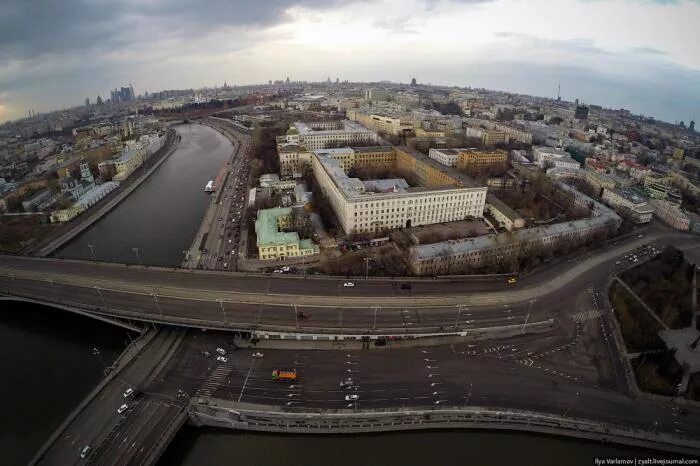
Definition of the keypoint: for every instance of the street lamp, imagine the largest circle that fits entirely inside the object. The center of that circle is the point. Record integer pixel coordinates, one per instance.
(104, 306)
(92, 251)
(155, 298)
(459, 313)
(575, 404)
(527, 317)
(374, 325)
(223, 311)
(296, 315)
(136, 251)
(367, 259)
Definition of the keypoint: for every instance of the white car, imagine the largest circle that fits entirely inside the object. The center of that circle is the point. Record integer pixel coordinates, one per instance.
(349, 285)
(128, 392)
(122, 408)
(257, 354)
(352, 397)
(85, 451)
(285, 268)
(345, 382)
(222, 359)
(221, 351)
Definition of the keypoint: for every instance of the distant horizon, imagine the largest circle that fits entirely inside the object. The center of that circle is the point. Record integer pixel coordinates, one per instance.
(342, 81)
(642, 55)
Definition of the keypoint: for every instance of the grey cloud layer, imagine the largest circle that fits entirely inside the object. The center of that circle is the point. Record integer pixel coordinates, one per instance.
(32, 27)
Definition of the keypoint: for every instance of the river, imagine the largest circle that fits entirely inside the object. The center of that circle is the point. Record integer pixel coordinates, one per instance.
(48, 364)
(162, 216)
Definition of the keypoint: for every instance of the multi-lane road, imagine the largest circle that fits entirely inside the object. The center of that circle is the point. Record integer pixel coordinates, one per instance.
(239, 301)
(216, 244)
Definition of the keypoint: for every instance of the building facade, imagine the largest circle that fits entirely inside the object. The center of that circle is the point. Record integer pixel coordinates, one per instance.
(360, 207)
(273, 243)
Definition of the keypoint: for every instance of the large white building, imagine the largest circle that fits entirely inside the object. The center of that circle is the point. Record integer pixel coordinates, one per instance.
(455, 256)
(319, 135)
(556, 157)
(630, 202)
(378, 205)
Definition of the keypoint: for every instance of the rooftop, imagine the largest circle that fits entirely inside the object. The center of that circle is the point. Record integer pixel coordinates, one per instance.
(267, 230)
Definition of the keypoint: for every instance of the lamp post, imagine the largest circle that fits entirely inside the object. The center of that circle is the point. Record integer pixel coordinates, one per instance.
(459, 313)
(367, 259)
(136, 251)
(92, 251)
(104, 306)
(155, 299)
(527, 317)
(374, 324)
(223, 311)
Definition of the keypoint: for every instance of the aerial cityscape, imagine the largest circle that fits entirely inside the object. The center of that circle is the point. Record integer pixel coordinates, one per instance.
(308, 234)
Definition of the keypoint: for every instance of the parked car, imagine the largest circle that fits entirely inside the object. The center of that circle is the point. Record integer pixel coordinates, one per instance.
(221, 351)
(352, 397)
(257, 354)
(222, 359)
(512, 280)
(128, 392)
(122, 408)
(349, 285)
(85, 451)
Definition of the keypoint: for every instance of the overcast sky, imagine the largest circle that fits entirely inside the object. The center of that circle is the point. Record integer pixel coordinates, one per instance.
(643, 55)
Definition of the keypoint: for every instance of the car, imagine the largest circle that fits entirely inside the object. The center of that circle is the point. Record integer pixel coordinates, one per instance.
(618, 263)
(122, 408)
(257, 354)
(85, 451)
(405, 286)
(277, 271)
(285, 268)
(229, 241)
(512, 280)
(206, 354)
(226, 265)
(349, 285)
(345, 383)
(128, 392)
(640, 236)
(222, 359)
(352, 397)
(221, 351)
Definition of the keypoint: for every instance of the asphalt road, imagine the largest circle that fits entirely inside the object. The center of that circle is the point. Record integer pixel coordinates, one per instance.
(222, 222)
(273, 301)
(488, 374)
(99, 423)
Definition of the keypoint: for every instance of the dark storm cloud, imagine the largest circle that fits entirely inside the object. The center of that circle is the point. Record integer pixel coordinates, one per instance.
(29, 28)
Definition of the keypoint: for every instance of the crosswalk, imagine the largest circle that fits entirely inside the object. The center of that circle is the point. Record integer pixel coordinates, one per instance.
(583, 316)
(216, 379)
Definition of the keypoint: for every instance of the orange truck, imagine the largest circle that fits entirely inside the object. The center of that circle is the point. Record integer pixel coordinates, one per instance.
(278, 374)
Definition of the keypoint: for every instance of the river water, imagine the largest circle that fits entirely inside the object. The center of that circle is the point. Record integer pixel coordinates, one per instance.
(48, 365)
(163, 215)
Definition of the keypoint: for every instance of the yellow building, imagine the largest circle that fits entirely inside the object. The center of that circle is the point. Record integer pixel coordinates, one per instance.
(423, 133)
(472, 160)
(276, 244)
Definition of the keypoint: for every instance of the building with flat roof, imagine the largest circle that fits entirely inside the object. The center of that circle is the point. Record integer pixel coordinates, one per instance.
(444, 194)
(503, 214)
(455, 256)
(322, 134)
(631, 203)
(273, 243)
(388, 124)
(470, 160)
(671, 214)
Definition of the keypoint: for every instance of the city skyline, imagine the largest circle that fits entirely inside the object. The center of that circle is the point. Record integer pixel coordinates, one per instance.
(648, 64)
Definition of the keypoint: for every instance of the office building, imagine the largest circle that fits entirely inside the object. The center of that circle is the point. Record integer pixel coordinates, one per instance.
(444, 195)
(273, 242)
(631, 203)
(320, 135)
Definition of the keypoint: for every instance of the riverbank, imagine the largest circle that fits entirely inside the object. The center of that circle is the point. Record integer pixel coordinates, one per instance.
(244, 416)
(70, 230)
